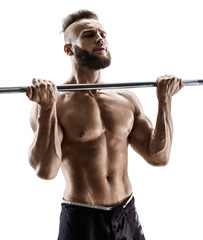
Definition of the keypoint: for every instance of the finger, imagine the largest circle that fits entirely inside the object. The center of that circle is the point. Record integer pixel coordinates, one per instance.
(170, 76)
(50, 84)
(42, 84)
(29, 92)
(46, 84)
(163, 77)
(35, 82)
(180, 83)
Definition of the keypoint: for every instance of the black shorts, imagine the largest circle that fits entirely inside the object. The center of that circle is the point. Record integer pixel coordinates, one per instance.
(83, 223)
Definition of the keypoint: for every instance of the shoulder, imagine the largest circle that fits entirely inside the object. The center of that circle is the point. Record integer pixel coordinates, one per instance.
(62, 101)
(132, 99)
(63, 98)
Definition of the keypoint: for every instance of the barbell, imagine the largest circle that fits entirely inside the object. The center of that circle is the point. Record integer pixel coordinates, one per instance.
(74, 87)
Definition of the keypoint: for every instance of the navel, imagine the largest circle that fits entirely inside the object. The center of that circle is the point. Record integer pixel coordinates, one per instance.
(82, 134)
(108, 178)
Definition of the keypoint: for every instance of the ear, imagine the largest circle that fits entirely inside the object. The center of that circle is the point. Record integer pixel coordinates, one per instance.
(68, 49)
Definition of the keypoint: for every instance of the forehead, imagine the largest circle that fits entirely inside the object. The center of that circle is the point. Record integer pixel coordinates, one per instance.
(85, 24)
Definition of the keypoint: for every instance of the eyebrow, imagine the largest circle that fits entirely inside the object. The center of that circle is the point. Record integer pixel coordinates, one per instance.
(92, 30)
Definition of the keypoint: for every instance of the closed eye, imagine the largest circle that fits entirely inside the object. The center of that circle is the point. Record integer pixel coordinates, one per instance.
(103, 34)
(89, 34)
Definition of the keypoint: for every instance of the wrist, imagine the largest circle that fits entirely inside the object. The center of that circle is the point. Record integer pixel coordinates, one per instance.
(164, 102)
(46, 107)
(164, 98)
(47, 111)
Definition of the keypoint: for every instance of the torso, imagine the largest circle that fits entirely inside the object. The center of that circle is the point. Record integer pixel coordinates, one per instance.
(95, 145)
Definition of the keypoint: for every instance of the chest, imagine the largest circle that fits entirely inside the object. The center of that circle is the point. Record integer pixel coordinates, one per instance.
(85, 117)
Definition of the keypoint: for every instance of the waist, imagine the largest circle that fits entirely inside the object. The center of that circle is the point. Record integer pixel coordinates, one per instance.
(109, 208)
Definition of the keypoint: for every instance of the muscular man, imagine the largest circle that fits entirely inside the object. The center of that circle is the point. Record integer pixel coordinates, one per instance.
(87, 133)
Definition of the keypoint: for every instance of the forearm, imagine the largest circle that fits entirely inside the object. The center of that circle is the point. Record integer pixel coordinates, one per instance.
(161, 138)
(44, 154)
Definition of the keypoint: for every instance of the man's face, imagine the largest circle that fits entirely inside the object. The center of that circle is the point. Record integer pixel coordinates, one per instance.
(89, 44)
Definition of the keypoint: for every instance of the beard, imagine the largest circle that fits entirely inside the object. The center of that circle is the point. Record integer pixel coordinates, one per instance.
(91, 61)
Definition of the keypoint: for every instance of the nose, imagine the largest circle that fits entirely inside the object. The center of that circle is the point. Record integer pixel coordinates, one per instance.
(99, 39)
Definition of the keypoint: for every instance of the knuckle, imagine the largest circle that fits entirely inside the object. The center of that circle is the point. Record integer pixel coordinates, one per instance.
(42, 84)
(34, 81)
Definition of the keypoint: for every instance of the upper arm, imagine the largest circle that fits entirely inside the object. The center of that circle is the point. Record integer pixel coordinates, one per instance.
(140, 135)
(60, 136)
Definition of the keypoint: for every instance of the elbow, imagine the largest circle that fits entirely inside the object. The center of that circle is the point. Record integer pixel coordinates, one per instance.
(159, 158)
(158, 161)
(162, 163)
(46, 165)
(45, 173)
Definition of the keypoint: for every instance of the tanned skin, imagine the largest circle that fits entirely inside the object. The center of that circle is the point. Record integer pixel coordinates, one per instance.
(87, 133)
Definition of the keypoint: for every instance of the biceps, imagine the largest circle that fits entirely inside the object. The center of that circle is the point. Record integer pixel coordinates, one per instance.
(60, 132)
(140, 135)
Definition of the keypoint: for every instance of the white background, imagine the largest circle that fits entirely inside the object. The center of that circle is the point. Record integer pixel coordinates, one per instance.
(147, 39)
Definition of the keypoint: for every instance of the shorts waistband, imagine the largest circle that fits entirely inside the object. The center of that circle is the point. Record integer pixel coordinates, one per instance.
(96, 206)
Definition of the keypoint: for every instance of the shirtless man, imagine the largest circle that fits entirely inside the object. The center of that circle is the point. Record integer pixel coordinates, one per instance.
(86, 134)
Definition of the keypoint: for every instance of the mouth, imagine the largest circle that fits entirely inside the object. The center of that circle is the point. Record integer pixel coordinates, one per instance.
(99, 49)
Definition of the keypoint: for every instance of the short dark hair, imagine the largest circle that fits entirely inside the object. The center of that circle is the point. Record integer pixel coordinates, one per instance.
(81, 14)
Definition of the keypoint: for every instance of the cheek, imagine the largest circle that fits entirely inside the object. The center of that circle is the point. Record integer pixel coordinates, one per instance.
(86, 45)
(106, 44)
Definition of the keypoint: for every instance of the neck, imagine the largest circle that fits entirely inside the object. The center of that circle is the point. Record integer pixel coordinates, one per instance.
(84, 76)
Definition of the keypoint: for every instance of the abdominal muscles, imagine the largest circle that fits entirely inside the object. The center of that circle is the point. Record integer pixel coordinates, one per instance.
(96, 172)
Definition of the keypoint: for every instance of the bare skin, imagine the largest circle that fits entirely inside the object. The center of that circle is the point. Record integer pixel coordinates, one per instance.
(87, 133)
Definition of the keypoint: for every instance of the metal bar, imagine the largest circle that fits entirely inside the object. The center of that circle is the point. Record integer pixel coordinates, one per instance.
(74, 87)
